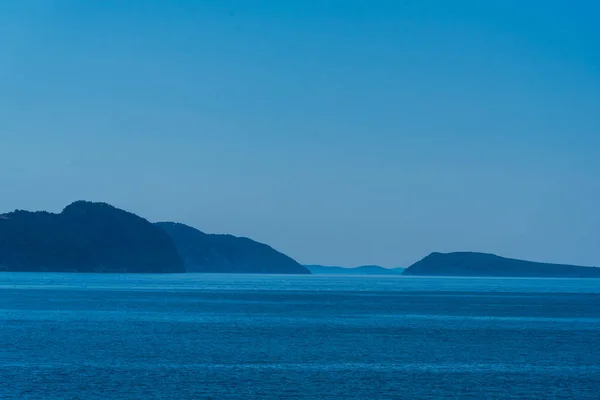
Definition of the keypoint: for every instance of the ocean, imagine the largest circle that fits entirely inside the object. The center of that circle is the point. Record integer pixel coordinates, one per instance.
(193, 336)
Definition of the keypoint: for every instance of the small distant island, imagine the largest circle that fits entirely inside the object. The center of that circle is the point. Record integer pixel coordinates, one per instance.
(360, 270)
(490, 265)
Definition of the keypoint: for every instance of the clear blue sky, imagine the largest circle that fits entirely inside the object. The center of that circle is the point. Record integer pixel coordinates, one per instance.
(340, 132)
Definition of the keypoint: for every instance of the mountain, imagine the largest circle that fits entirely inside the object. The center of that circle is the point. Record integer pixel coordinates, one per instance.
(85, 237)
(204, 252)
(481, 264)
(361, 270)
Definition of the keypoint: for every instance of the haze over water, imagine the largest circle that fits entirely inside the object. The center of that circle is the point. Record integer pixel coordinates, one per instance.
(68, 336)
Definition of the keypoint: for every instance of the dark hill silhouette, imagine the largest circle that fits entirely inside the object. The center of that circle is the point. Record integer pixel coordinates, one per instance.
(85, 237)
(203, 252)
(482, 264)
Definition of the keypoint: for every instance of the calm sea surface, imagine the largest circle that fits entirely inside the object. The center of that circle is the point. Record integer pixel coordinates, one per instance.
(76, 336)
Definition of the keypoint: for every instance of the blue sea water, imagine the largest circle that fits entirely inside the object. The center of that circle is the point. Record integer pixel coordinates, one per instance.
(93, 336)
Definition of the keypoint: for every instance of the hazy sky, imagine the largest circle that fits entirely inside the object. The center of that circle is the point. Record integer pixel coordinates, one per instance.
(340, 132)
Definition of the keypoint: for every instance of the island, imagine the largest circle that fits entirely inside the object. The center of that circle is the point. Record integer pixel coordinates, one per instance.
(98, 237)
(217, 253)
(85, 237)
(360, 270)
(490, 265)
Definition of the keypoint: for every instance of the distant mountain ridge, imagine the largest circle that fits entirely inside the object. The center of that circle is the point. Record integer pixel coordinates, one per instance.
(97, 237)
(360, 270)
(213, 253)
(491, 265)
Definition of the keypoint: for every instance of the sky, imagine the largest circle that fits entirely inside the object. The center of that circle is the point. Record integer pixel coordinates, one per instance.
(340, 132)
